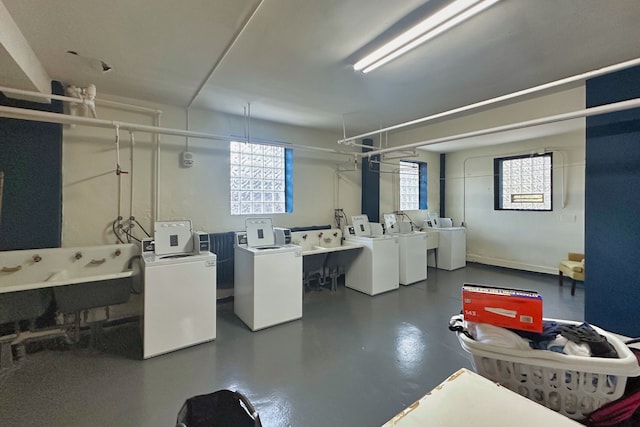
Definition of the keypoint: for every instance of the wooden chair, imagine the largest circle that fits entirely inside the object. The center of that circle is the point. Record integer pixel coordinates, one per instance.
(572, 267)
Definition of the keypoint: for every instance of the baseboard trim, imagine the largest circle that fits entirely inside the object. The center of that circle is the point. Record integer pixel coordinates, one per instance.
(499, 262)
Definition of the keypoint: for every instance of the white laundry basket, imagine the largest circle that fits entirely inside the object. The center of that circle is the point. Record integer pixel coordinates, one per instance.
(574, 386)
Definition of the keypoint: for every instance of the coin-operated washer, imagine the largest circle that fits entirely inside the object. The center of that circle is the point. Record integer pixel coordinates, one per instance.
(179, 291)
(412, 244)
(452, 246)
(375, 269)
(267, 277)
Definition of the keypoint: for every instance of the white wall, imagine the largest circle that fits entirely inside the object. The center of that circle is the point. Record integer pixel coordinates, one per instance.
(389, 183)
(199, 193)
(528, 240)
(533, 241)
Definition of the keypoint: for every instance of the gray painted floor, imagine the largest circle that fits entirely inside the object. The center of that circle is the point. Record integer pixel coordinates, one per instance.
(353, 360)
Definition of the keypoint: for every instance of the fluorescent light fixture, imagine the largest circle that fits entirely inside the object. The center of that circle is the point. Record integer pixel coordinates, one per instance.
(436, 24)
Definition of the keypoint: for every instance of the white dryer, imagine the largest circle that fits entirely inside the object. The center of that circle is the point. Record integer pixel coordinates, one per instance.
(267, 277)
(179, 292)
(375, 269)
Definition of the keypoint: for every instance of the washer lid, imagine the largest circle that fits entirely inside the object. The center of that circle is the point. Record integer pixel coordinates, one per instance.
(153, 260)
(259, 232)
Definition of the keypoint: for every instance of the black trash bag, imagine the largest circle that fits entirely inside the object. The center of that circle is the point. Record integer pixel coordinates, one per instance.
(223, 408)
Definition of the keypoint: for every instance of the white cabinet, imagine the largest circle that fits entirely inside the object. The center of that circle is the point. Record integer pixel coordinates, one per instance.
(452, 248)
(433, 240)
(413, 263)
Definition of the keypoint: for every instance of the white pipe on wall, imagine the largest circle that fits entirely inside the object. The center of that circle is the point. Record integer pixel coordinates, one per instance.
(129, 107)
(156, 129)
(43, 116)
(529, 91)
(73, 100)
(587, 112)
(119, 176)
(132, 139)
(156, 211)
(46, 96)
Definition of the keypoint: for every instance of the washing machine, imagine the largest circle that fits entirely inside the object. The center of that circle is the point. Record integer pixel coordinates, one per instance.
(412, 253)
(267, 277)
(179, 291)
(375, 269)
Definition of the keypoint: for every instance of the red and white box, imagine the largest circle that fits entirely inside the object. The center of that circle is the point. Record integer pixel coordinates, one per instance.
(509, 308)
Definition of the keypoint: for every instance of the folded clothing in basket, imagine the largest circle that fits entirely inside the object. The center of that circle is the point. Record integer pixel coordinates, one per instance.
(570, 339)
(584, 333)
(507, 338)
(497, 336)
(573, 386)
(575, 340)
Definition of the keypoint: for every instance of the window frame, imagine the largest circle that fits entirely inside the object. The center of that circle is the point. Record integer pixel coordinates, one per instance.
(421, 187)
(287, 159)
(498, 181)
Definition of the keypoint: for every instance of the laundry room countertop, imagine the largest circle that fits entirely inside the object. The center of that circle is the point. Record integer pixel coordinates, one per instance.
(466, 398)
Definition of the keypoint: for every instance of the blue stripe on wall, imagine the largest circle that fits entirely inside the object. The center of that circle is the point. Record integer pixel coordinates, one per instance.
(370, 186)
(612, 183)
(31, 158)
(288, 176)
(423, 185)
(443, 163)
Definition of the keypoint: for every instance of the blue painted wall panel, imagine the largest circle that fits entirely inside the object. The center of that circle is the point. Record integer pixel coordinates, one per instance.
(612, 204)
(370, 185)
(31, 158)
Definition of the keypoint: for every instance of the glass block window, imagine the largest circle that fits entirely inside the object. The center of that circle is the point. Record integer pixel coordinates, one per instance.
(258, 179)
(523, 182)
(413, 185)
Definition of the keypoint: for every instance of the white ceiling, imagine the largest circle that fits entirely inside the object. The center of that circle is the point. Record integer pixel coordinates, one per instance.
(293, 60)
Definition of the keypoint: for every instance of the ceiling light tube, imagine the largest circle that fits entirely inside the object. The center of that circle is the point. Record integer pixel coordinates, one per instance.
(431, 27)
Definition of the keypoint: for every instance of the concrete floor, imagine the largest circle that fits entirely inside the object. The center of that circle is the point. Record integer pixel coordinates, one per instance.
(353, 360)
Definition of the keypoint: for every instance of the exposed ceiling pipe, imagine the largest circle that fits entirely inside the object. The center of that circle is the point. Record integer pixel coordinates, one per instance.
(288, 145)
(593, 111)
(407, 154)
(83, 101)
(542, 87)
(226, 51)
(249, 122)
(47, 96)
(119, 173)
(44, 116)
(157, 122)
(129, 107)
(132, 146)
(353, 144)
